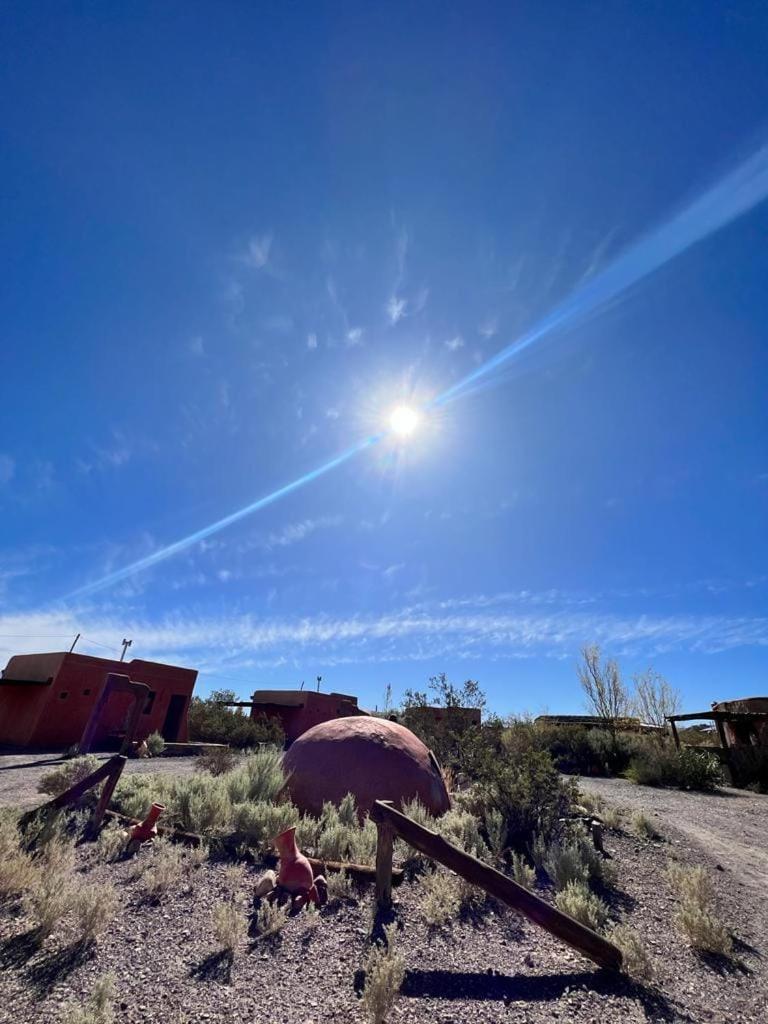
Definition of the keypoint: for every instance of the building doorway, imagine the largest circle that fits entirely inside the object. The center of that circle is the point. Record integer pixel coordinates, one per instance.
(173, 717)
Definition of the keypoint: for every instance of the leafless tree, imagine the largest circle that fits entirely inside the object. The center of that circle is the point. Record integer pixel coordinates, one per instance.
(601, 681)
(655, 698)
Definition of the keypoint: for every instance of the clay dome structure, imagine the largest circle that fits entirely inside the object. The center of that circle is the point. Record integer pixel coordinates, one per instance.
(372, 758)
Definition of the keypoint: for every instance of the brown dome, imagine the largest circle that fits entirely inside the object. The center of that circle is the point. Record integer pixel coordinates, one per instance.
(372, 758)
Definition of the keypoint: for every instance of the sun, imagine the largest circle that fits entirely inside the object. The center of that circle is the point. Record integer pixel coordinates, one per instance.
(403, 421)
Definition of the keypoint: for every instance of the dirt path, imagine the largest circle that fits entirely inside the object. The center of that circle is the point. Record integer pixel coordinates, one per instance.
(729, 828)
(20, 774)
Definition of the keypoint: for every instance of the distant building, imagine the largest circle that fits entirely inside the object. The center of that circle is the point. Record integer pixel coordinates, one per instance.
(442, 719)
(597, 722)
(47, 699)
(299, 710)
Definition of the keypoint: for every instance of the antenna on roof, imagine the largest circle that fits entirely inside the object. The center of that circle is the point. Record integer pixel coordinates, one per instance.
(126, 645)
(302, 685)
(319, 680)
(73, 643)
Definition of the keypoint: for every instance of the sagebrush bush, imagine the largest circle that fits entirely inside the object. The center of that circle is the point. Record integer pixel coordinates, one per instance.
(565, 865)
(229, 926)
(440, 898)
(49, 899)
(257, 822)
(94, 905)
(216, 761)
(697, 916)
(69, 774)
(522, 873)
(271, 918)
(496, 831)
(463, 830)
(635, 959)
(611, 817)
(578, 902)
(98, 1008)
(233, 877)
(384, 973)
(155, 744)
(339, 886)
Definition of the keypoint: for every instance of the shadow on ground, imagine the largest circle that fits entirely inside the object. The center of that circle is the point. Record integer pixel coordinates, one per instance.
(216, 967)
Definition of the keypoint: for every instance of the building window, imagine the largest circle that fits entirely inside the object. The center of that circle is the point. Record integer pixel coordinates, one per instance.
(86, 693)
(64, 694)
(150, 702)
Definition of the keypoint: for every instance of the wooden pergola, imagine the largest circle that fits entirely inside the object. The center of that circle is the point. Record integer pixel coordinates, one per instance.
(718, 717)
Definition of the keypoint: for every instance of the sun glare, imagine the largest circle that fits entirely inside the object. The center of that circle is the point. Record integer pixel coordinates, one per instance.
(403, 421)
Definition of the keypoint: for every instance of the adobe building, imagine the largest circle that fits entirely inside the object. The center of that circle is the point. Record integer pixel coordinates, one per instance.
(298, 710)
(46, 700)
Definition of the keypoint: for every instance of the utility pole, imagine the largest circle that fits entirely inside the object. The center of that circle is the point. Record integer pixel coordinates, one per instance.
(126, 645)
(319, 680)
(73, 643)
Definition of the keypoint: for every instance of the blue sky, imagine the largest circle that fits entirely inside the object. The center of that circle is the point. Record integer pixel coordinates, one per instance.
(235, 236)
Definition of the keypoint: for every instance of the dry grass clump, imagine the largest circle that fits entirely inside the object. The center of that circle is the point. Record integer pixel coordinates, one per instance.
(441, 897)
(111, 843)
(578, 902)
(99, 1007)
(636, 961)
(271, 918)
(49, 900)
(17, 871)
(696, 916)
(217, 761)
(644, 827)
(384, 973)
(611, 817)
(339, 886)
(522, 873)
(233, 877)
(68, 774)
(229, 926)
(592, 803)
(95, 906)
(164, 871)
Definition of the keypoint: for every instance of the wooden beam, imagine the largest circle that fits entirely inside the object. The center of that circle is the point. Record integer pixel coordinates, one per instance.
(73, 794)
(563, 927)
(384, 845)
(105, 796)
(675, 735)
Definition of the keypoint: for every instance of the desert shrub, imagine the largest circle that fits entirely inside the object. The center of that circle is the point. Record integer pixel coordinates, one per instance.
(196, 856)
(592, 803)
(111, 843)
(209, 722)
(339, 886)
(229, 926)
(257, 823)
(522, 873)
(529, 795)
(440, 897)
(199, 804)
(98, 1009)
(384, 973)
(155, 744)
(271, 918)
(664, 765)
(573, 858)
(539, 851)
(340, 836)
(636, 962)
(259, 777)
(307, 829)
(135, 794)
(749, 767)
(68, 774)
(496, 831)
(643, 826)
(233, 877)
(216, 761)
(697, 915)
(165, 869)
(94, 906)
(415, 809)
(579, 751)
(463, 830)
(578, 902)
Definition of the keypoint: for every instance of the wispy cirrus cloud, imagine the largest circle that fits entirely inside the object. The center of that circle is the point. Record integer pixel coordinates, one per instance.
(292, 533)
(257, 251)
(405, 635)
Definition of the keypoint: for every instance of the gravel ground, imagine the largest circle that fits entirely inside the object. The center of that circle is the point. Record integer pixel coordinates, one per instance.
(495, 967)
(20, 774)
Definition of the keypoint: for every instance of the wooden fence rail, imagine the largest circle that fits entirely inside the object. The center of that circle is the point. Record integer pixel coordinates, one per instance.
(391, 822)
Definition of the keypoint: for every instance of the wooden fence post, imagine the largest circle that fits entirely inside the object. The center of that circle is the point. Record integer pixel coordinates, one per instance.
(118, 763)
(384, 844)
